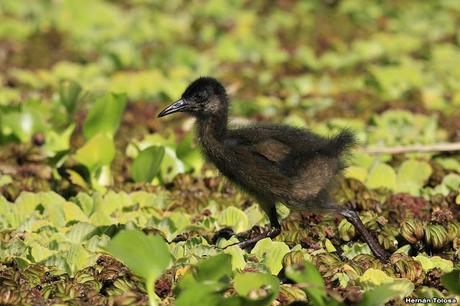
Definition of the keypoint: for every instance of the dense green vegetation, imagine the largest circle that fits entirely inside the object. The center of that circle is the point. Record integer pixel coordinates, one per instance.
(101, 203)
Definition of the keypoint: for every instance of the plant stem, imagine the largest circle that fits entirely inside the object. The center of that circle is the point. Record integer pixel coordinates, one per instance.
(439, 147)
(153, 298)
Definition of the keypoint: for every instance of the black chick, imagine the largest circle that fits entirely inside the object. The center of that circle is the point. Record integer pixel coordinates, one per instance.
(270, 162)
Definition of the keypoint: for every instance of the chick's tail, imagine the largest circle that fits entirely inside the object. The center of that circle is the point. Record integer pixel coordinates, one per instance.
(342, 142)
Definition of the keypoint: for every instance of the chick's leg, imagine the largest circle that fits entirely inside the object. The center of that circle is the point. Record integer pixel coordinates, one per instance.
(275, 227)
(354, 219)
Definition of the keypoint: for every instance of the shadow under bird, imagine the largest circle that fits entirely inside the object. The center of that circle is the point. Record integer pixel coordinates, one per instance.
(271, 162)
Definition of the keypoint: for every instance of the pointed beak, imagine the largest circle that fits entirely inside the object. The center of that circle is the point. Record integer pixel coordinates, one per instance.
(177, 106)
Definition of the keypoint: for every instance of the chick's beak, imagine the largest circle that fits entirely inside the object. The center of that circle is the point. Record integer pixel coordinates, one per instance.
(177, 106)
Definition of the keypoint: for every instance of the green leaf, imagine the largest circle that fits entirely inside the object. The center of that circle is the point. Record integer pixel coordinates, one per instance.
(97, 152)
(429, 263)
(381, 175)
(271, 253)
(105, 116)
(246, 283)
(309, 276)
(412, 175)
(80, 232)
(356, 249)
(214, 268)
(77, 258)
(355, 172)
(206, 295)
(238, 262)
(373, 277)
(69, 95)
(190, 154)
(147, 163)
(451, 281)
(383, 293)
(146, 256)
(235, 218)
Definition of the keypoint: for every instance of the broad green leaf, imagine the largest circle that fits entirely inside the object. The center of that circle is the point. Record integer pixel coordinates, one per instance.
(146, 256)
(309, 276)
(245, 283)
(97, 152)
(72, 212)
(147, 163)
(69, 94)
(271, 253)
(235, 218)
(105, 115)
(451, 281)
(5, 180)
(77, 258)
(385, 292)
(356, 249)
(80, 232)
(207, 294)
(238, 262)
(451, 181)
(214, 268)
(357, 173)
(429, 263)
(412, 175)
(373, 277)
(381, 175)
(39, 252)
(190, 154)
(58, 142)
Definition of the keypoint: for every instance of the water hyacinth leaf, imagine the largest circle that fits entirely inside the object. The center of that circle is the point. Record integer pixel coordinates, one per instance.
(39, 252)
(105, 116)
(238, 262)
(147, 163)
(429, 263)
(449, 163)
(356, 249)
(235, 218)
(385, 292)
(451, 181)
(381, 175)
(97, 152)
(58, 142)
(357, 173)
(171, 165)
(77, 257)
(412, 175)
(73, 212)
(22, 124)
(80, 232)
(451, 281)
(271, 253)
(190, 154)
(26, 203)
(373, 277)
(206, 295)
(69, 94)
(308, 275)
(214, 268)
(245, 283)
(147, 256)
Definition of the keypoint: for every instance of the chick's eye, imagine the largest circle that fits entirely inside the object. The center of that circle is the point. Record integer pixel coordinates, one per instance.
(202, 95)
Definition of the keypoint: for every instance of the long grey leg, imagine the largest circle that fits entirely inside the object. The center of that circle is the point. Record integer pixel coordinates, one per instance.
(354, 219)
(275, 230)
